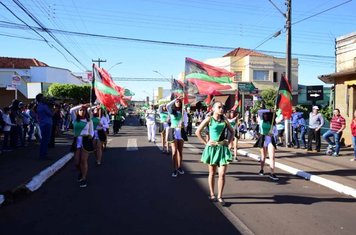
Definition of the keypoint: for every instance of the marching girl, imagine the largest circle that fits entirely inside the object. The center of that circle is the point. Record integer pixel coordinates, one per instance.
(231, 118)
(177, 134)
(163, 113)
(100, 125)
(266, 141)
(216, 152)
(83, 134)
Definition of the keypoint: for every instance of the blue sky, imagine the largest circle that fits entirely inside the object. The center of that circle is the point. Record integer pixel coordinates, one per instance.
(222, 23)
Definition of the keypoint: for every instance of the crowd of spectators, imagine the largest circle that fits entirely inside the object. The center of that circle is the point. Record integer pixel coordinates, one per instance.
(22, 124)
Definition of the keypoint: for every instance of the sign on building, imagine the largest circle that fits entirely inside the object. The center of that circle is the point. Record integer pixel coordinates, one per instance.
(315, 93)
(16, 80)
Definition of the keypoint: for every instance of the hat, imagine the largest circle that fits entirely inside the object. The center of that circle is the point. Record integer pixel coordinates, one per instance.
(316, 107)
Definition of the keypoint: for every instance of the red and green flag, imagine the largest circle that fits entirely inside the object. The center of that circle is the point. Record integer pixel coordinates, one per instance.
(284, 98)
(206, 79)
(105, 90)
(238, 102)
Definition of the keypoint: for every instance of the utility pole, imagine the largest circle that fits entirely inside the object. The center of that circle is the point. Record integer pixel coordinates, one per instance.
(287, 124)
(289, 41)
(98, 61)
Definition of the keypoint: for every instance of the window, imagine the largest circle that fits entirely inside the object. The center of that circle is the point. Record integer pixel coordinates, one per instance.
(260, 75)
(275, 77)
(238, 76)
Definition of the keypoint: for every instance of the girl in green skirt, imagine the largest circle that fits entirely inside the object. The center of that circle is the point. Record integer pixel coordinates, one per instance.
(216, 153)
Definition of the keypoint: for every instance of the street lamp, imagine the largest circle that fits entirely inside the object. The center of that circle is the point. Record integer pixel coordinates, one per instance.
(114, 65)
(165, 77)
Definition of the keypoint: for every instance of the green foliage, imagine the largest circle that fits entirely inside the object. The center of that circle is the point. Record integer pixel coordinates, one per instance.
(327, 112)
(70, 92)
(268, 100)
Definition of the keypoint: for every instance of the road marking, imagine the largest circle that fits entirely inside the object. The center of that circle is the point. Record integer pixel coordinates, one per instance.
(192, 148)
(131, 145)
(313, 178)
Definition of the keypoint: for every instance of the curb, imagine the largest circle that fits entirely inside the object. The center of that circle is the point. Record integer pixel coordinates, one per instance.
(36, 181)
(316, 179)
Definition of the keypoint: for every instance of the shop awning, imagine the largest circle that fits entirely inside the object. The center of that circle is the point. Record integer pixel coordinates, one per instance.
(331, 78)
(350, 83)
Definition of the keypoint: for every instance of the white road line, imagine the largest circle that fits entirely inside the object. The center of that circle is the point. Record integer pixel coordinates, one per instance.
(192, 148)
(316, 179)
(131, 145)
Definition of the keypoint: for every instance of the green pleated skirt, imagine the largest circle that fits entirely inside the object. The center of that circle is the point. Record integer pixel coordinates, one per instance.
(219, 155)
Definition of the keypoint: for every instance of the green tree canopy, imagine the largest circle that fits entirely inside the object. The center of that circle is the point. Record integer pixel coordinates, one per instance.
(268, 99)
(71, 92)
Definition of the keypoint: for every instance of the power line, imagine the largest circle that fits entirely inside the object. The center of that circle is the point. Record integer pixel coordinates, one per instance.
(27, 12)
(316, 14)
(110, 37)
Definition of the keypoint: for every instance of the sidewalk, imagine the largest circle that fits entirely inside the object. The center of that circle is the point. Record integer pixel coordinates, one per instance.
(337, 173)
(19, 166)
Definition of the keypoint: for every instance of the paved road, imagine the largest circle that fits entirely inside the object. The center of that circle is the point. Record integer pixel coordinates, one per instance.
(133, 193)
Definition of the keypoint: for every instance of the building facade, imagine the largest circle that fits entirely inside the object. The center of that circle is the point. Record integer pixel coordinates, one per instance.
(33, 77)
(264, 71)
(344, 80)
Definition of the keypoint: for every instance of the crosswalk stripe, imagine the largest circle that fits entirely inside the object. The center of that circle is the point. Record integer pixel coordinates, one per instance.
(131, 145)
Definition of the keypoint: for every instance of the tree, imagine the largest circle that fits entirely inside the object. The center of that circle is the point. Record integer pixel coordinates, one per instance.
(75, 93)
(268, 100)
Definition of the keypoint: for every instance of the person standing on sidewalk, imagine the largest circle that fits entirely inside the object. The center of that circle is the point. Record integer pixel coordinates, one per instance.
(151, 124)
(83, 134)
(6, 129)
(316, 121)
(44, 114)
(266, 141)
(177, 134)
(337, 125)
(216, 152)
(353, 132)
(302, 128)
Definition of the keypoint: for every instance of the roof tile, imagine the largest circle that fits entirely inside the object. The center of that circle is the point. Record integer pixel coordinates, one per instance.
(20, 63)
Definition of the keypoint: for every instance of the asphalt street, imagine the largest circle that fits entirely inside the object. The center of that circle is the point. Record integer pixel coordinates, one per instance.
(134, 193)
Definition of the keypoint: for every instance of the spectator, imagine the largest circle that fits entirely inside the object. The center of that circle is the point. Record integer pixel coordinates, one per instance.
(337, 125)
(190, 122)
(302, 127)
(33, 121)
(295, 131)
(316, 121)
(26, 121)
(45, 115)
(6, 129)
(353, 132)
(56, 119)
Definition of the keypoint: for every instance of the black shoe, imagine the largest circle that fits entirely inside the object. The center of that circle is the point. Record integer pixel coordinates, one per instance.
(83, 183)
(273, 177)
(79, 177)
(174, 174)
(261, 172)
(180, 171)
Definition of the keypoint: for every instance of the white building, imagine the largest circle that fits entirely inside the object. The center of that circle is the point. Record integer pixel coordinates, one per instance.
(33, 77)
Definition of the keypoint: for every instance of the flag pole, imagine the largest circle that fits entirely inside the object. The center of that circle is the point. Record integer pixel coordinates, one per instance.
(92, 85)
